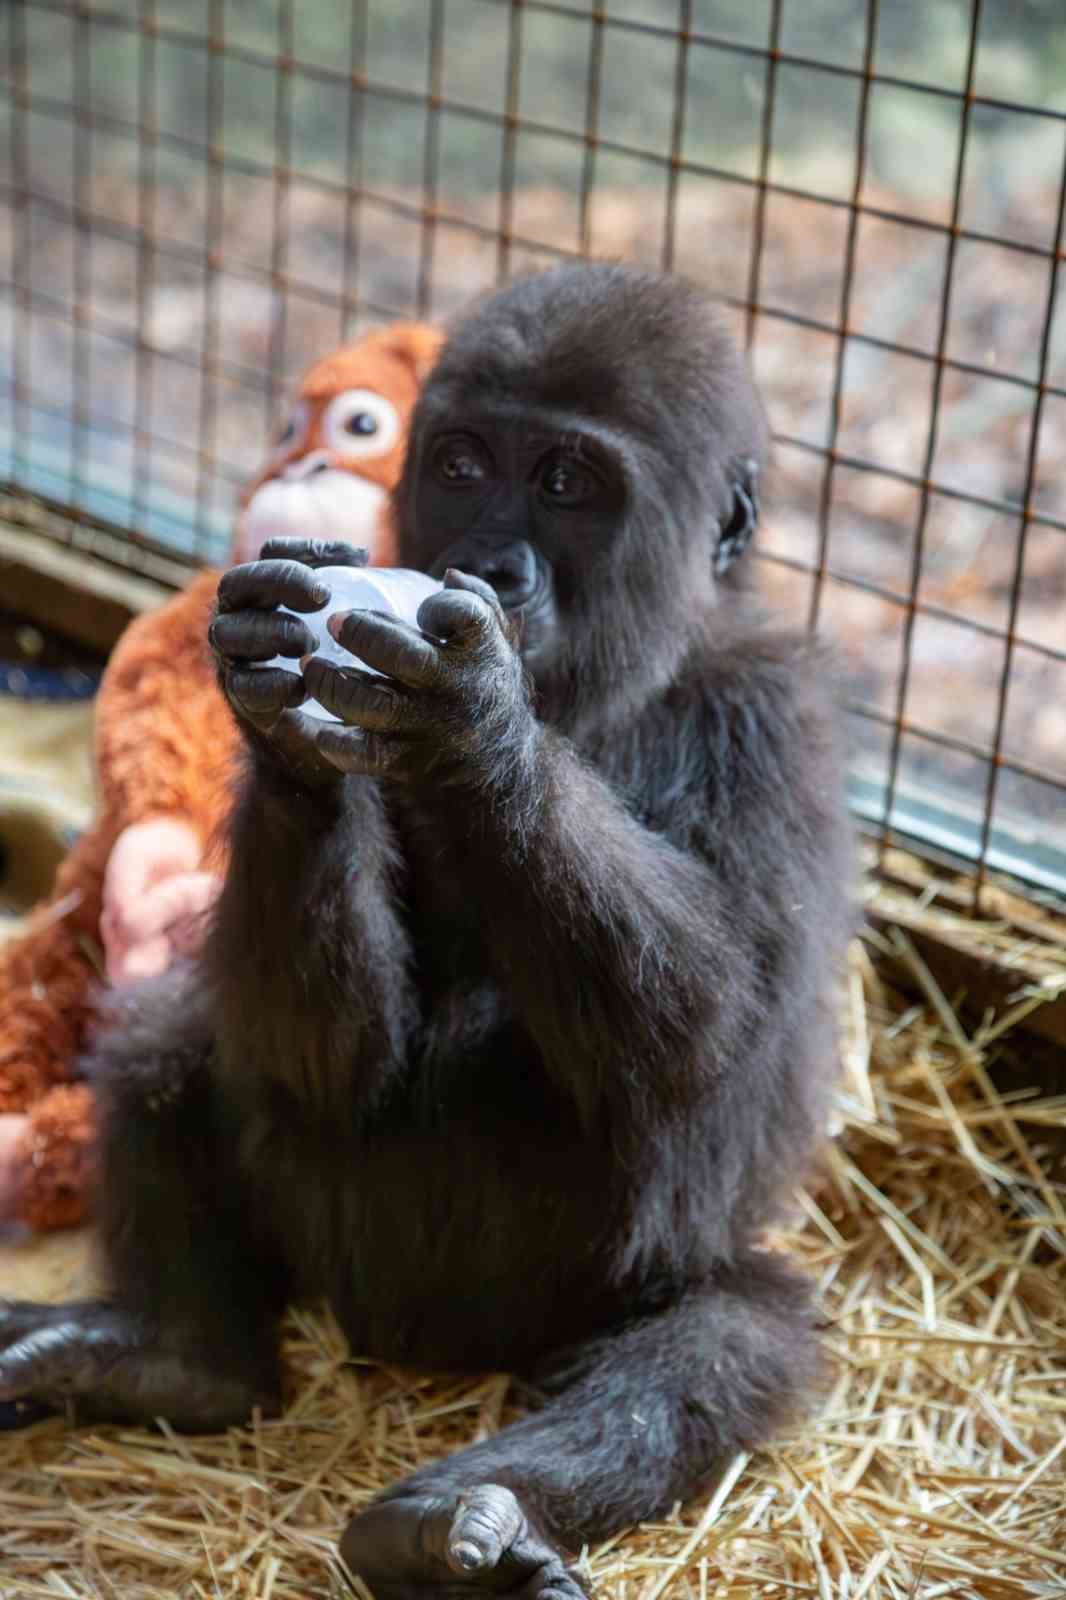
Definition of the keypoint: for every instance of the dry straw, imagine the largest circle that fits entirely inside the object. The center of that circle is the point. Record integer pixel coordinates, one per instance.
(935, 1467)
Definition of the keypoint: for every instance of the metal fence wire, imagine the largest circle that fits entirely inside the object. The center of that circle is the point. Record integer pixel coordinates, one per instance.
(198, 196)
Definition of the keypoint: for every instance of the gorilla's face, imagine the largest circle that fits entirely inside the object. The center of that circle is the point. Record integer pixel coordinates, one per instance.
(583, 445)
(522, 502)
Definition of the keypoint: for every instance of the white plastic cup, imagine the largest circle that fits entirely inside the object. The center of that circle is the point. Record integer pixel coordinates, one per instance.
(398, 591)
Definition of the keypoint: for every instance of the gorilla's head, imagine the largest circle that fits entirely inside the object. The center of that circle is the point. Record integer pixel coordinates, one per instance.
(589, 443)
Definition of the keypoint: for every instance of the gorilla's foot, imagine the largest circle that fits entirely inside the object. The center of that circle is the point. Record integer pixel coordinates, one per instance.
(96, 1362)
(455, 1546)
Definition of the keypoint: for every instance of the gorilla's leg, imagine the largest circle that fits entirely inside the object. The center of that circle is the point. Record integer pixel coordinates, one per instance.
(632, 1423)
(190, 1333)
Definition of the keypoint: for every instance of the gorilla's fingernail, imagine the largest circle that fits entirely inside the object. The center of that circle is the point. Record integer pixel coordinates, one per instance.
(335, 622)
(320, 593)
(469, 1555)
(310, 656)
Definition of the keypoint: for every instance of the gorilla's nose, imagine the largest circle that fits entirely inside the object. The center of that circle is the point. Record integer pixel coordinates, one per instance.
(510, 568)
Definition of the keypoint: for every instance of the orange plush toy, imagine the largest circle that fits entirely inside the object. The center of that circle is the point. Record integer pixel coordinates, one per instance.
(138, 882)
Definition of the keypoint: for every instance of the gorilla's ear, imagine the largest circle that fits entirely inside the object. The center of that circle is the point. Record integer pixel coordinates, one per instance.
(734, 535)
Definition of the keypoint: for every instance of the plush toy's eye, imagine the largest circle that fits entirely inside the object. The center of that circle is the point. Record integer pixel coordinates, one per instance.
(362, 423)
(359, 424)
(294, 429)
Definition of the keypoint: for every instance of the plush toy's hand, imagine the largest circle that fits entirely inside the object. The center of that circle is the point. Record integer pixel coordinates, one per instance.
(249, 630)
(171, 923)
(12, 1131)
(452, 705)
(155, 898)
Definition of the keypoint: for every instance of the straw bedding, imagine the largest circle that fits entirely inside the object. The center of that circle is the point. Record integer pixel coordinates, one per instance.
(936, 1465)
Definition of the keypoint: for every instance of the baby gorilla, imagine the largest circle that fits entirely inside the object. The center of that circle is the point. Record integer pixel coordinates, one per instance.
(517, 1017)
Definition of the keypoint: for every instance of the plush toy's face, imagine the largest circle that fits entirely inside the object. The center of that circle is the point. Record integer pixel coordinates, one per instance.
(341, 446)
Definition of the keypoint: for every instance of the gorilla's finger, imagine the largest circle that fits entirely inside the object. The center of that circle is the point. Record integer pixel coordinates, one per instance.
(259, 635)
(488, 1520)
(352, 751)
(20, 1317)
(293, 736)
(388, 644)
(359, 699)
(260, 693)
(454, 579)
(316, 552)
(261, 584)
(54, 1357)
(460, 616)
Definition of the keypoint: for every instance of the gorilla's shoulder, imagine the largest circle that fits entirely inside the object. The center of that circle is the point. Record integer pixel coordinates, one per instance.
(740, 660)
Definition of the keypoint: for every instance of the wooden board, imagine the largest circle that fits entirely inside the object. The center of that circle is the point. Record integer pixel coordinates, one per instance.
(69, 589)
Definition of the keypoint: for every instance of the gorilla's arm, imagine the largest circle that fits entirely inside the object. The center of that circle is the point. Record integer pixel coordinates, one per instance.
(629, 960)
(616, 948)
(308, 924)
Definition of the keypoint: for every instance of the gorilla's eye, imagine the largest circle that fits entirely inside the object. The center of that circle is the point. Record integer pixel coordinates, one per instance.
(566, 484)
(458, 467)
(460, 463)
(359, 424)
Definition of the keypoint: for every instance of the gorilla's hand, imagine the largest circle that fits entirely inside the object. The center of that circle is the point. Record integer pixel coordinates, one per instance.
(452, 705)
(248, 629)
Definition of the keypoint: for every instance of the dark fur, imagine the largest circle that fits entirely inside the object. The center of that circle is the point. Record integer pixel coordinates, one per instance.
(514, 1071)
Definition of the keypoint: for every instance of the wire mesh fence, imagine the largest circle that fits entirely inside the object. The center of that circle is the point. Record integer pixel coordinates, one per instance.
(198, 196)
